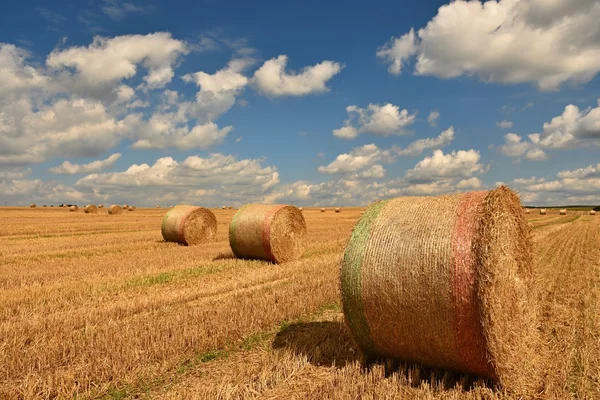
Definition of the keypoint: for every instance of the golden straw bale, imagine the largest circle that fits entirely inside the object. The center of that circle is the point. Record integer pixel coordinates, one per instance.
(563, 212)
(592, 212)
(322, 210)
(447, 282)
(73, 208)
(115, 209)
(274, 233)
(337, 210)
(32, 205)
(100, 205)
(543, 211)
(131, 208)
(90, 209)
(189, 225)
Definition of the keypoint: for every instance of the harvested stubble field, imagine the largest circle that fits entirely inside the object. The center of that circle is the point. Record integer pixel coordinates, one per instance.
(98, 306)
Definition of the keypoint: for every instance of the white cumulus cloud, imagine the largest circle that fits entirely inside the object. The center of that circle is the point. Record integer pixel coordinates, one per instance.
(458, 164)
(382, 120)
(68, 168)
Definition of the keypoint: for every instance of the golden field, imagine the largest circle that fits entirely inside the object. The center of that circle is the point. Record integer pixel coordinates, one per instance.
(99, 306)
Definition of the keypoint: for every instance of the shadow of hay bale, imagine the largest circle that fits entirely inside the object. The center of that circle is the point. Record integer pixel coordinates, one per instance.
(326, 343)
(225, 256)
(330, 344)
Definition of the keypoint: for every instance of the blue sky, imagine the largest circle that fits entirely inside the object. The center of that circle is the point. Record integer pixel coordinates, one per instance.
(307, 103)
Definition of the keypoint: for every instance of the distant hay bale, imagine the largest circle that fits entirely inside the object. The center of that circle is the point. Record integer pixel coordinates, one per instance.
(157, 206)
(592, 212)
(115, 209)
(131, 208)
(90, 209)
(337, 210)
(543, 211)
(44, 205)
(189, 225)
(527, 211)
(274, 233)
(322, 210)
(125, 206)
(230, 207)
(73, 208)
(563, 212)
(224, 207)
(301, 209)
(100, 205)
(32, 205)
(447, 282)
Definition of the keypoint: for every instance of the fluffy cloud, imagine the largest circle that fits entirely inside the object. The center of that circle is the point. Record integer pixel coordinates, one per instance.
(222, 178)
(16, 75)
(68, 168)
(506, 41)
(385, 120)
(469, 184)
(107, 61)
(458, 164)
(505, 124)
(218, 91)
(359, 159)
(272, 79)
(433, 118)
(418, 146)
(515, 147)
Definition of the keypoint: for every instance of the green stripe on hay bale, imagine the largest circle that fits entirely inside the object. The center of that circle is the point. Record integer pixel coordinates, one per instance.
(273, 233)
(447, 282)
(189, 225)
(115, 209)
(90, 209)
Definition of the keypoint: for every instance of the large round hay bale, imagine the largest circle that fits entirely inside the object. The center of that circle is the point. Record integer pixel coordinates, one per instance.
(268, 232)
(189, 225)
(543, 211)
(447, 282)
(115, 209)
(90, 209)
(131, 208)
(322, 210)
(563, 212)
(337, 209)
(32, 205)
(73, 208)
(592, 212)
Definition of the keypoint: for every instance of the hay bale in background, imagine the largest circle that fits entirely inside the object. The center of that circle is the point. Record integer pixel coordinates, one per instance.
(447, 282)
(131, 208)
(224, 207)
(563, 212)
(337, 210)
(268, 232)
(543, 211)
(592, 212)
(73, 208)
(32, 206)
(100, 205)
(157, 206)
(189, 225)
(115, 209)
(230, 207)
(301, 209)
(322, 210)
(527, 211)
(125, 206)
(90, 209)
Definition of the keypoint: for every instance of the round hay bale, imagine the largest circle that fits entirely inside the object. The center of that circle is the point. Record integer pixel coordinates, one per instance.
(337, 209)
(543, 211)
(322, 210)
(90, 209)
(592, 212)
(446, 282)
(230, 207)
(115, 209)
(189, 225)
(301, 209)
(73, 208)
(100, 205)
(157, 206)
(274, 233)
(527, 211)
(32, 205)
(224, 207)
(563, 212)
(131, 208)
(125, 206)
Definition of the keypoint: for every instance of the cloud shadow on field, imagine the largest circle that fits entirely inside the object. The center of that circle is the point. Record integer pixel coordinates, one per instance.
(326, 343)
(330, 344)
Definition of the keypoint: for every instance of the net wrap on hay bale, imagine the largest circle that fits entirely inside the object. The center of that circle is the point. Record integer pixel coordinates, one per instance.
(189, 225)
(90, 209)
(446, 282)
(115, 209)
(268, 232)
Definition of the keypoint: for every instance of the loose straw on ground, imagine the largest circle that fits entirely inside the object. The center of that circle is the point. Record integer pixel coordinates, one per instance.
(268, 232)
(90, 209)
(447, 282)
(115, 209)
(189, 225)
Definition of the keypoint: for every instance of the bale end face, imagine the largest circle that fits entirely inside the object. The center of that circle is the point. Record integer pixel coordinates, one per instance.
(273, 233)
(467, 306)
(189, 225)
(90, 209)
(114, 210)
(542, 212)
